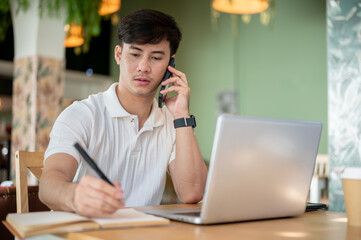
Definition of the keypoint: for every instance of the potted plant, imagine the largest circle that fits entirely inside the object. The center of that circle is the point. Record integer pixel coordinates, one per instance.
(79, 12)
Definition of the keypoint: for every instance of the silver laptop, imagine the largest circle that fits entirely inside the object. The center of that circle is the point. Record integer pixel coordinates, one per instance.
(259, 169)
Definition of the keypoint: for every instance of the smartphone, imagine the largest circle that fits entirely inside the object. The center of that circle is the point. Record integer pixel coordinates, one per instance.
(167, 75)
(315, 206)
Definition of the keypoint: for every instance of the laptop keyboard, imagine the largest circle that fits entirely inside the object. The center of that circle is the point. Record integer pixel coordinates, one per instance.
(193, 214)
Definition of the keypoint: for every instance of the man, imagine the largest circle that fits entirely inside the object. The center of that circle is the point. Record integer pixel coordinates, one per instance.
(132, 140)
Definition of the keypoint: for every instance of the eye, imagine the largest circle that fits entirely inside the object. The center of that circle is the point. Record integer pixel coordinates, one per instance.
(157, 58)
(135, 54)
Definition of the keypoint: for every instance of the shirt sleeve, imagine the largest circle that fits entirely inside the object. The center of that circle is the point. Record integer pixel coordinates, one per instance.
(73, 125)
(172, 155)
(171, 130)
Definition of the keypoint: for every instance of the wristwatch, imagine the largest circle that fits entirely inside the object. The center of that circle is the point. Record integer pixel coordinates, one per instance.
(185, 122)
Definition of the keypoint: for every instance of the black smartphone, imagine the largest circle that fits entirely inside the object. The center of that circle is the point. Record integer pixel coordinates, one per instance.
(315, 206)
(166, 76)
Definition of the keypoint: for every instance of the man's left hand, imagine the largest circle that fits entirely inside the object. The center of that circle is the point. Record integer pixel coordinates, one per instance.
(178, 105)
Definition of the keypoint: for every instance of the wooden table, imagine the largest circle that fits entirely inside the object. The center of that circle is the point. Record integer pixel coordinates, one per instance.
(311, 225)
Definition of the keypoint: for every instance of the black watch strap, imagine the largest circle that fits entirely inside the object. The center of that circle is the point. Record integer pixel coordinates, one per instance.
(185, 122)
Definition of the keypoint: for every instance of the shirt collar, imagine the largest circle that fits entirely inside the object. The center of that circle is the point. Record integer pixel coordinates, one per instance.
(112, 104)
(156, 117)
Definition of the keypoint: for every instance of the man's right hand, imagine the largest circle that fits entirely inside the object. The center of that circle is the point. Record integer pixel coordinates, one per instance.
(93, 197)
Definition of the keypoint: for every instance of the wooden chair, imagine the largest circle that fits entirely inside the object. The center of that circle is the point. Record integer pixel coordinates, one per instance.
(319, 188)
(8, 205)
(26, 160)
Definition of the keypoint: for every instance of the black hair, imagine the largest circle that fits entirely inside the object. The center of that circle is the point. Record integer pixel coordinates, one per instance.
(149, 26)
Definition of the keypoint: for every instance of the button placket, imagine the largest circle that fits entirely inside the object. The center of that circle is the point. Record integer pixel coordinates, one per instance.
(134, 123)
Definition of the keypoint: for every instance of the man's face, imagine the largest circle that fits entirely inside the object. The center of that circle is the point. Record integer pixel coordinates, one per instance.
(142, 66)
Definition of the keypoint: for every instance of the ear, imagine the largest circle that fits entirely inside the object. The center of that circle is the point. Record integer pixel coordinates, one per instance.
(117, 54)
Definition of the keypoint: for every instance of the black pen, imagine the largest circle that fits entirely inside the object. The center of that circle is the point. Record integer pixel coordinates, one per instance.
(91, 163)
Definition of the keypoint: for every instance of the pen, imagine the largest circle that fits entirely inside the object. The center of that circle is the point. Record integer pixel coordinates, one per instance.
(91, 163)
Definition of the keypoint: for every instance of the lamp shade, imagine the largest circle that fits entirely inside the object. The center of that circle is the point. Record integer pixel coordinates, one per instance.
(108, 7)
(240, 6)
(74, 36)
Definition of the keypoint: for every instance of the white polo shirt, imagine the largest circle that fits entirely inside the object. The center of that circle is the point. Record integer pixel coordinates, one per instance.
(137, 159)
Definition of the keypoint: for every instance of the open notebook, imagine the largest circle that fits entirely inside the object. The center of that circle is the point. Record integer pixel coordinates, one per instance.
(35, 223)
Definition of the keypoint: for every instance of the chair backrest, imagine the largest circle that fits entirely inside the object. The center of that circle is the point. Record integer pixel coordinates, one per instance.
(26, 160)
(322, 165)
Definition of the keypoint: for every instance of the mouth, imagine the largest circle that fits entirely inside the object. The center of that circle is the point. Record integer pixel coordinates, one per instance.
(142, 80)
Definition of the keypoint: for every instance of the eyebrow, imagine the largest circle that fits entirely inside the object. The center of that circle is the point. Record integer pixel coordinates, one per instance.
(139, 49)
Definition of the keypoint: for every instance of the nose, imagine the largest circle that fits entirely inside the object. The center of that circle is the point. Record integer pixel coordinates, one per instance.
(143, 65)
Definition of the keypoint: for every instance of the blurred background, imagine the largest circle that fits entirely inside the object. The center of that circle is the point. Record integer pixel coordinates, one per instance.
(271, 64)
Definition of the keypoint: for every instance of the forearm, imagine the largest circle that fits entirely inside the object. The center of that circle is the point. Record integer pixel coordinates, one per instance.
(189, 172)
(91, 197)
(55, 192)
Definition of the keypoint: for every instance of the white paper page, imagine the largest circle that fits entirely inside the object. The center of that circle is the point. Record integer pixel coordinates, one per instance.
(127, 215)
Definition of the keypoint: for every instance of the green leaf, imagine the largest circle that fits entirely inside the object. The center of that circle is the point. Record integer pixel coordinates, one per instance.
(28, 101)
(45, 72)
(17, 73)
(44, 124)
(16, 124)
(38, 117)
(83, 12)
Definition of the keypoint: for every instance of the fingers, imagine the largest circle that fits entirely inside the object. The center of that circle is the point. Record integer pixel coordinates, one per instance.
(119, 192)
(178, 104)
(102, 186)
(178, 77)
(179, 82)
(179, 89)
(177, 73)
(117, 185)
(95, 197)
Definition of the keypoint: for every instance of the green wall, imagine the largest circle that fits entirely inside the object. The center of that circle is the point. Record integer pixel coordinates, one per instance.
(278, 71)
(5, 117)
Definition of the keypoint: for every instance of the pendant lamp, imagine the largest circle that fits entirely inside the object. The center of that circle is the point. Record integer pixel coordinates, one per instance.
(240, 6)
(108, 7)
(74, 35)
